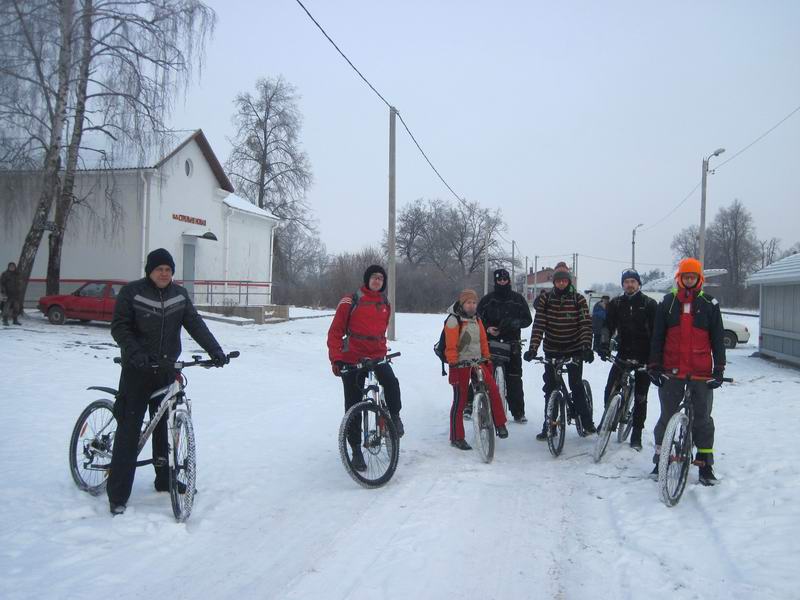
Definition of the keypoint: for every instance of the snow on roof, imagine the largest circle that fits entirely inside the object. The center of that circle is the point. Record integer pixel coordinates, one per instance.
(786, 270)
(243, 205)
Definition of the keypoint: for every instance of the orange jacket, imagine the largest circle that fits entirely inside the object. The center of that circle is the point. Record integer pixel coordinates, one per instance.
(452, 336)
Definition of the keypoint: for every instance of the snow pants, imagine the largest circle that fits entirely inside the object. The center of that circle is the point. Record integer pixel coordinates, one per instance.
(135, 388)
(460, 378)
(641, 387)
(670, 394)
(353, 383)
(515, 395)
(575, 378)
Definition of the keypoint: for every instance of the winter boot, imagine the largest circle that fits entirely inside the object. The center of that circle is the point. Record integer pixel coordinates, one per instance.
(589, 429)
(398, 425)
(16, 322)
(636, 439)
(704, 460)
(502, 432)
(461, 444)
(160, 486)
(5, 322)
(656, 456)
(521, 419)
(357, 462)
(542, 437)
(116, 509)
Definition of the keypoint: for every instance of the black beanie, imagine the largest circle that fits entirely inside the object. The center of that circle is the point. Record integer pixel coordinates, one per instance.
(631, 274)
(501, 274)
(157, 258)
(371, 270)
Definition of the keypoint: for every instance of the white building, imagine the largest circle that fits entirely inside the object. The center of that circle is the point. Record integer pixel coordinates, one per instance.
(222, 244)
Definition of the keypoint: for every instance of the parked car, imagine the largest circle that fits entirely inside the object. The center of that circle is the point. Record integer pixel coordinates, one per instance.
(93, 301)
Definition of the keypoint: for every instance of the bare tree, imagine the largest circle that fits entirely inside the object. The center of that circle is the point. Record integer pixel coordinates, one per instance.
(652, 275)
(267, 164)
(686, 243)
(791, 250)
(770, 251)
(734, 247)
(300, 261)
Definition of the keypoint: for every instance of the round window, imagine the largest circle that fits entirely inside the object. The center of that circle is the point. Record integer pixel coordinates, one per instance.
(188, 167)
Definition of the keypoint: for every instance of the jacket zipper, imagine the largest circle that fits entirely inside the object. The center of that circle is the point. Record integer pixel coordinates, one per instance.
(161, 338)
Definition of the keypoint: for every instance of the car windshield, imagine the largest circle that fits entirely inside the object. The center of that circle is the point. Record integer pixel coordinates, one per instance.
(92, 290)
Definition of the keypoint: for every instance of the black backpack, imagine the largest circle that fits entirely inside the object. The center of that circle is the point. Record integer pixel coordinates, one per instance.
(439, 347)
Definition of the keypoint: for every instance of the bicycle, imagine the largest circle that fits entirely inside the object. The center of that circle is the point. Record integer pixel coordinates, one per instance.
(618, 415)
(560, 411)
(482, 419)
(501, 355)
(676, 446)
(378, 434)
(92, 442)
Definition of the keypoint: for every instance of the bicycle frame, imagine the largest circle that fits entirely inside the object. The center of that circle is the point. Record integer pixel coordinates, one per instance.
(174, 401)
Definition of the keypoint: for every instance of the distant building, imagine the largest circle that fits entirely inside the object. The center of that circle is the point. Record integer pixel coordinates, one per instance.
(779, 321)
(184, 202)
(538, 281)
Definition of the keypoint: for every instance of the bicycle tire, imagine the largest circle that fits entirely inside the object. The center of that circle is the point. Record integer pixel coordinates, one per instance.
(606, 427)
(484, 426)
(675, 459)
(587, 392)
(183, 468)
(556, 422)
(500, 380)
(626, 417)
(381, 436)
(91, 446)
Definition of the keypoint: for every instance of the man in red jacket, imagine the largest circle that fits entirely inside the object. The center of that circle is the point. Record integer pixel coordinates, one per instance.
(358, 331)
(687, 340)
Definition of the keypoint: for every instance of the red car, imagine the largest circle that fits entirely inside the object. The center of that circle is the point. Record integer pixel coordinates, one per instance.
(93, 301)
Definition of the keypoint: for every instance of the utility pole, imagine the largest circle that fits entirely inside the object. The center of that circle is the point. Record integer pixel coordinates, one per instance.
(525, 280)
(633, 245)
(702, 243)
(535, 277)
(575, 272)
(392, 240)
(513, 281)
(486, 263)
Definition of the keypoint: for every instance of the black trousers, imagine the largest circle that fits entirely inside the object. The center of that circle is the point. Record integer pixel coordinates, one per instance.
(575, 378)
(641, 387)
(353, 384)
(515, 395)
(135, 388)
(671, 394)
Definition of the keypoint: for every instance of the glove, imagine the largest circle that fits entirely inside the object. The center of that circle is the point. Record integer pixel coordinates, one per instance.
(529, 355)
(336, 367)
(656, 374)
(718, 373)
(219, 358)
(588, 355)
(507, 324)
(604, 353)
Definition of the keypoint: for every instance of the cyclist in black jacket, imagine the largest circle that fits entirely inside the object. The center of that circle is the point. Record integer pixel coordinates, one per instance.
(504, 313)
(148, 317)
(631, 316)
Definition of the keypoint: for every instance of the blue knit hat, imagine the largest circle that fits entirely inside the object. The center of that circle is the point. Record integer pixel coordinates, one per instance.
(631, 274)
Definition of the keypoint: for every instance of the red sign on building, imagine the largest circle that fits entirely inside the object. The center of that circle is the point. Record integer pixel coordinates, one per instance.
(188, 219)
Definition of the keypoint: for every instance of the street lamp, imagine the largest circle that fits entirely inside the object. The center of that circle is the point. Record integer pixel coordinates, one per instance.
(702, 249)
(633, 245)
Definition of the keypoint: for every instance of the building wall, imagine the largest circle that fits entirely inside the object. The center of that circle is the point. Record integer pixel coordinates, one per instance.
(780, 321)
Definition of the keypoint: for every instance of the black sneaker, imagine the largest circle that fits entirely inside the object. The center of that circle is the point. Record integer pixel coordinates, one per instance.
(398, 425)
(707, 475)
(461, 444)
(502, 432)
(357, 462)
(654, 472)
(589, 429)
(636, 439)
(522, 419)
(542, 437)
(16, 322)
(164, 487)
(116, 509)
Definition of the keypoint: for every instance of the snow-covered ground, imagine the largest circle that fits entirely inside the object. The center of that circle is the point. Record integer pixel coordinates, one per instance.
(276, 515)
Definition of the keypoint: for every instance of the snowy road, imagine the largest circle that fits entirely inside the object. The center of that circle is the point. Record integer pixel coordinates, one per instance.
(276, 516)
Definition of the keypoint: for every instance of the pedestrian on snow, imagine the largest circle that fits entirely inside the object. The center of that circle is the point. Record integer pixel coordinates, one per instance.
(599, 330)
(505, 313)
(562, 321)
(631, 317)
(688, 341)
(465, 340)
(148, 317)
(358, 331)
(10, 289)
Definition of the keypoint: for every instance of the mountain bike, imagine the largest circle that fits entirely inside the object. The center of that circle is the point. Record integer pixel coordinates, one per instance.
(92, 442)
(618, 415)
(501, 355)
(379, 443)
(482, 419)
(560, 411)
(676, 446)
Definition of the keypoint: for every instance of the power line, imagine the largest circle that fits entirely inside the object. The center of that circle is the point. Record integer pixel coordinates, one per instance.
(385, 101)
(758, 139)
(677, 206)
(625, 262)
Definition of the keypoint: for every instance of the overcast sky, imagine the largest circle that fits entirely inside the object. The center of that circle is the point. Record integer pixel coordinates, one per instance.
(578, 120)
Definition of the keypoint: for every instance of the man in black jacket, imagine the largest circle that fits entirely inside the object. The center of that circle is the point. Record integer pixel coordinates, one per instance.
(504, 313)
(631, 316)
(10, 289)
(148, 317)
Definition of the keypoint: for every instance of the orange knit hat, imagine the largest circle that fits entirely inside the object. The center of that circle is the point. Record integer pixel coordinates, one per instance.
(689, 265)
(467, 295)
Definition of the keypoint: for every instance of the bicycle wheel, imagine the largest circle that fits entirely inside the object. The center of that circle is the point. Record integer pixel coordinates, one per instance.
(675, 459)
(484, 426)
(606, 427)
(378, 443)
(91, 446)
(182, 471)
(557, 422)
(500, 379)
(626, 416)
(587, 392)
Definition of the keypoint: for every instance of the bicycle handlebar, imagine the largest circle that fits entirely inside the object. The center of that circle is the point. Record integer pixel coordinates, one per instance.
(179, 365)
(557, 361)
(696, 378)
(370, 363)
(472, 363)
(626, 363)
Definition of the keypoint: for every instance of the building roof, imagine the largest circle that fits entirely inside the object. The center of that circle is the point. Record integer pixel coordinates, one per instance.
(243, 205)
(200, 138)
(786, 270)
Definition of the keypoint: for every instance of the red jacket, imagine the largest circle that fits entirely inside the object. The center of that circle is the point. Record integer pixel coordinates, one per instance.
(364, 336)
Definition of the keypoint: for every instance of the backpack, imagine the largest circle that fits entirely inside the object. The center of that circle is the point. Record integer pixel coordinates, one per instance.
(439, 347)
(356, 297)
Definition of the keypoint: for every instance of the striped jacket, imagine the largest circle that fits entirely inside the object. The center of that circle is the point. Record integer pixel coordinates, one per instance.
(562, 319)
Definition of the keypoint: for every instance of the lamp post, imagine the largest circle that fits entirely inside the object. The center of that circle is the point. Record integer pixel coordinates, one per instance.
(633, 245)
(702, 244)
